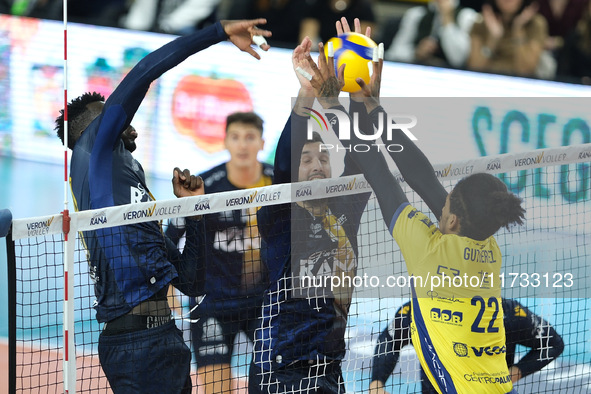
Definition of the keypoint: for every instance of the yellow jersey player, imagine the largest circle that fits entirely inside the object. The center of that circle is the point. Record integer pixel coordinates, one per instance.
(457, 327)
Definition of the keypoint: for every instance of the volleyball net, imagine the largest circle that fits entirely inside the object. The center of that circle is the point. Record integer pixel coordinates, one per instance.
(54, 333)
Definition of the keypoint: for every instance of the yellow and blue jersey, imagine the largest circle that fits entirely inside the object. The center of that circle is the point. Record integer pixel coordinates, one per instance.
(457, 317)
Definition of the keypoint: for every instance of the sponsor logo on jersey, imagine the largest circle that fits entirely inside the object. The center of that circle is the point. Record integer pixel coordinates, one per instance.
(488, 350)
(137, 193)
(460, 349)
(446, 316)
(486, 378)
(316, 229)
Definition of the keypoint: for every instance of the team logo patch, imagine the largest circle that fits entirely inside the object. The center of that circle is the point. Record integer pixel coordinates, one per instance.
(460, 349)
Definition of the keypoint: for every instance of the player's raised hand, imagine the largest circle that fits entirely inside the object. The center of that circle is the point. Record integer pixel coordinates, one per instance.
(326, 84)
(245, 33)
(299, 59)
(370, 93)
(343, 27)
(186, 185)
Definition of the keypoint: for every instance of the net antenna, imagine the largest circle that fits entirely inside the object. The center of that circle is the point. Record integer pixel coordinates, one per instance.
(69, 362)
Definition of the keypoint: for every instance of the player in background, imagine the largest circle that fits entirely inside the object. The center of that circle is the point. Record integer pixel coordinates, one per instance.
(300, 342)
(477, 207)
(235, 278)
(522, 327)
(140, 348)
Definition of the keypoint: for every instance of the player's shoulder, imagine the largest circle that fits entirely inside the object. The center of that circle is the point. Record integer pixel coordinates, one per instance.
(513, 309)
(268, 170)
(214, 175)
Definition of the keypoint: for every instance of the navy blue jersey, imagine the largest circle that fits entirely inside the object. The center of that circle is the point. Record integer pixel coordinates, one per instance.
(522, 327)
(295, 328)
(127, 263)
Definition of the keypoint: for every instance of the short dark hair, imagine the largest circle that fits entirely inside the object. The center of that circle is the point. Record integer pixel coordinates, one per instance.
(483, 205)
(316, 137)
(79, 117)
(249, 118)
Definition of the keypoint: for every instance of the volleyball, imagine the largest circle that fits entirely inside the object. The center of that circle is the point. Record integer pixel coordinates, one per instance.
(356, 51)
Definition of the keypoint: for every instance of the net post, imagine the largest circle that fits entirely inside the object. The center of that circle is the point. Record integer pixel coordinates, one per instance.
(69, 362)
(6, 231)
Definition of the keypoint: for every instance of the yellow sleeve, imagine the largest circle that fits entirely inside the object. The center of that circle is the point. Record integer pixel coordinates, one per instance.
(414, 232)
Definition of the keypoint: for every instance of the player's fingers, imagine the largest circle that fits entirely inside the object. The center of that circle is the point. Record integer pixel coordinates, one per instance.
(380, 57)
(339, 28)
(254, 22)
(315, 82)
(330, 59)
(362, 85)
(195, 182)
(322, 64)
(357, 24)
(368, 31)
(345, 23)
(311, 65)
(253, 53)
(176, 174)
(186, 177)
(341, 75)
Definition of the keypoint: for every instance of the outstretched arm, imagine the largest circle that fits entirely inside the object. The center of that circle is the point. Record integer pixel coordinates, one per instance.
(123, 103)
(373, 164)
(414, 166)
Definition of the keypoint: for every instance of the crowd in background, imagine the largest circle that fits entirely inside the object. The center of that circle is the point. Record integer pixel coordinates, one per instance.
(546, 39)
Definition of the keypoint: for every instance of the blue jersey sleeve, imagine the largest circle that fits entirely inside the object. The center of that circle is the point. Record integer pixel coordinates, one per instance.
(391, 340)
(190, 264)
(123, 103)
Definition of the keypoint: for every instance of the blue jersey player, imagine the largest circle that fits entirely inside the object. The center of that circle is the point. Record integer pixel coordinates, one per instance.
(300, 341)
(140, 348)
(235, 277)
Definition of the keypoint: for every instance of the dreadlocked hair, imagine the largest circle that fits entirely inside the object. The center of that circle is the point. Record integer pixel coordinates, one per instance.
(79, 117)
(484, 205)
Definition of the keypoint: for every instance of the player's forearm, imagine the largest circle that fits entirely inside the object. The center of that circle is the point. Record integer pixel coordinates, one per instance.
(284, 160)
(190, 265)
(414, 167)
(550, 347)
(376, 172)
(385, 358)
(133, 88)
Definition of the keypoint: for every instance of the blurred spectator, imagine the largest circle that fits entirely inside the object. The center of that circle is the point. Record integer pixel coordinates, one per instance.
(509, 39)
(284, 18)
(437, 34)
(170, 16)
(320, 23)
(574, 61)
(562, 17)
(92, 12)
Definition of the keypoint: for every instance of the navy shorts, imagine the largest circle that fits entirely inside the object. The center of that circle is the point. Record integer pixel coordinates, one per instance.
(155, 360)
(214, 333)
(299, 378)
